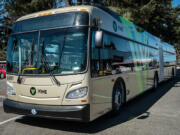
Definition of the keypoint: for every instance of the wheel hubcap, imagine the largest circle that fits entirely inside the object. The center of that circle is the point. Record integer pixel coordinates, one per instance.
(118, 99)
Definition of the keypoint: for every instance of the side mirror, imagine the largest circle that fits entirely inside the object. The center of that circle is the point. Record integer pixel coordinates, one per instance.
(99, 39)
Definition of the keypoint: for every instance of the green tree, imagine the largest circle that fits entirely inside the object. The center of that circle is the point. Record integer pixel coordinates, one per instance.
(16, 9)
(156, 16)
(3, 30)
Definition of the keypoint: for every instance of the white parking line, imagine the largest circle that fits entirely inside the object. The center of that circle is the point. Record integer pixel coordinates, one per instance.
(6, 121)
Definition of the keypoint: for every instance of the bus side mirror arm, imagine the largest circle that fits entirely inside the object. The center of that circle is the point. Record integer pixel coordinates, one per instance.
(99, 39)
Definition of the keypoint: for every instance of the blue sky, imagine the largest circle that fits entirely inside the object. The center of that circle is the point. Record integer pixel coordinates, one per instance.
(176, 2)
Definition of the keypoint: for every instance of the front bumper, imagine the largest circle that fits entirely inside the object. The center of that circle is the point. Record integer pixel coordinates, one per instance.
(74, 113)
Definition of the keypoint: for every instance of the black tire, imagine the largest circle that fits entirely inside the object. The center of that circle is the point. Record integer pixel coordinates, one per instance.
(156, 82)
(173, 74)
(118, 97)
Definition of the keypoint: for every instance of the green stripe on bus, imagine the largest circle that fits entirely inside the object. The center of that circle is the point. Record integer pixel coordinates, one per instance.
(139, 82)
(141, 57)
(144, 64)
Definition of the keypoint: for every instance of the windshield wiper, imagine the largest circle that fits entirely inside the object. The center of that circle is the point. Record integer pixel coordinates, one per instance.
(47, 67)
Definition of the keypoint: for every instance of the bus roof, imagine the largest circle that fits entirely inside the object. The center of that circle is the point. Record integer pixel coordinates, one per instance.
(56, 11)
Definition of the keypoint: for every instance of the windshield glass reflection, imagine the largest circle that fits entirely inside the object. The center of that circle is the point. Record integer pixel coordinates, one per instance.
(63, 51)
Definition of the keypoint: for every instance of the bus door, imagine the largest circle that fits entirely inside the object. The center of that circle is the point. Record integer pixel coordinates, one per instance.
(161, 64)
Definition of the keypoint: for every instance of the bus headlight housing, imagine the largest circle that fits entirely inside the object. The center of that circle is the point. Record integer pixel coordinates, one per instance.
(78, 93)
(10, 90)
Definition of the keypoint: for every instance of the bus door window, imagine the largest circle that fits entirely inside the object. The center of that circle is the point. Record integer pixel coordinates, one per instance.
(153, 58)
(115, 56)
(119, 54)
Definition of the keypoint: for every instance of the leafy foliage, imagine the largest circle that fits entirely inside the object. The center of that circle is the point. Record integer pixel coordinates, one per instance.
(156, 16)
(16, 9)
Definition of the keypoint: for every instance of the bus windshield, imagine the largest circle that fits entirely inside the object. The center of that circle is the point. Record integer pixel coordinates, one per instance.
(57, 51)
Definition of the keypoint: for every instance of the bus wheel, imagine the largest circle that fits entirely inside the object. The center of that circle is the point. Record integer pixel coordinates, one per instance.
(156, 82)
(173, 73)
(2, 76)
(118, 97)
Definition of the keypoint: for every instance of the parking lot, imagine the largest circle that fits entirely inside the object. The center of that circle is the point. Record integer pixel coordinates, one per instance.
(153, 113)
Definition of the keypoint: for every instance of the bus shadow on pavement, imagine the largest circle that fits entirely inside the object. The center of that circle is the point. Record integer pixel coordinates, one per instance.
(136, 108)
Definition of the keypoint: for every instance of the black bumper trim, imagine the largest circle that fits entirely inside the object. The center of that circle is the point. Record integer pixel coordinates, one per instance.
(75, 113)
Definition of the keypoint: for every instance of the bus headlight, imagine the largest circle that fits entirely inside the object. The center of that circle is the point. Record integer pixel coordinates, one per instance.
(78, 93)
(10, 90)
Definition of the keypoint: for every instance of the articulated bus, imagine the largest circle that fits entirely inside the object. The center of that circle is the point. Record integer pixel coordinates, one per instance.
(78, 63)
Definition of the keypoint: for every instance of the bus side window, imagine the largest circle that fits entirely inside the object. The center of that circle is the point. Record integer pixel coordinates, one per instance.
(111, 59)
(118, 54)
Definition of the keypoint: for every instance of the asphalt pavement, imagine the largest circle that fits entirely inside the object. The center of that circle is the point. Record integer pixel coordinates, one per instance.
(2, 84)
(2, 89)
(153, 113)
